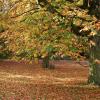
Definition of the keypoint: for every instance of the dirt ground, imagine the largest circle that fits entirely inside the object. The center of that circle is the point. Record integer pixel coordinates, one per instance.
(66, 81)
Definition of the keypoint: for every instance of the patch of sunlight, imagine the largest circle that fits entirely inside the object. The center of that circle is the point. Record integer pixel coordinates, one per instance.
(38, 77)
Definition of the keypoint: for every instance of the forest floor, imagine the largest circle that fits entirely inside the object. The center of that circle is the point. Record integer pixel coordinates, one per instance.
(66, 81)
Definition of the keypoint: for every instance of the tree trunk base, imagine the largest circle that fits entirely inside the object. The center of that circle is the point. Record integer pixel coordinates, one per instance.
(94, 77)
(46, 63)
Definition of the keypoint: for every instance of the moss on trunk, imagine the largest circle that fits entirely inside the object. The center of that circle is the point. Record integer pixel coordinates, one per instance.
(94, 76)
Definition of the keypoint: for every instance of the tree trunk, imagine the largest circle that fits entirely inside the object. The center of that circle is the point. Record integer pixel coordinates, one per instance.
(6, 6)
(45, 63)
(94, 76)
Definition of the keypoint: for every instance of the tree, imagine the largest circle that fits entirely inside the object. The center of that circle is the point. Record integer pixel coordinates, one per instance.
(59, 28)
(95, 61)
(95, 46)
(94, 38)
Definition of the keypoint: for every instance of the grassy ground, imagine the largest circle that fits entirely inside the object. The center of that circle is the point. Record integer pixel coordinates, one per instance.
(24, 81)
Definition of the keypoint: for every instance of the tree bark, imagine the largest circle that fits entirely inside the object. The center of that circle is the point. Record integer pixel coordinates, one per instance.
(94, 76)
(45, 63)
(6, 6)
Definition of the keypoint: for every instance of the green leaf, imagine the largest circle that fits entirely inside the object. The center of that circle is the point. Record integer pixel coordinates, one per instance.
(79, 3)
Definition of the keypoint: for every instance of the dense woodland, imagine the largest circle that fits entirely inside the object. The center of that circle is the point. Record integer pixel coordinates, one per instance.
(51, 29)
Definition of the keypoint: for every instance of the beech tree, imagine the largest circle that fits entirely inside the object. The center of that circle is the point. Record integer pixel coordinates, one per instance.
(58, 28)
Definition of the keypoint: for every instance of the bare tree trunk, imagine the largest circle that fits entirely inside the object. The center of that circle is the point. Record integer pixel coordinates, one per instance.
(38, 4)
(6, 6)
